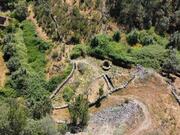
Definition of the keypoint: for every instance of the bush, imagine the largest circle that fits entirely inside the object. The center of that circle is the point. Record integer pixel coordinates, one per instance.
(54, 81)
(133, 37)
(116, 36)
(79, 112)
(175, 41)
(55, 55)
(40, 107)
(78, 51)
(42, 46)
(9, 50)
(68, 94)
(20, 13)
(100, 40)
(149, 56)
(13, 64)
(19, 81)
(75, 39)
(146, 39)
(8, 92)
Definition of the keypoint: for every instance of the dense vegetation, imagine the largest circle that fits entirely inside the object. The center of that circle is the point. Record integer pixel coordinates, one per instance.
(151, 38)
(143, 47)
(164, 15)
(74, 24)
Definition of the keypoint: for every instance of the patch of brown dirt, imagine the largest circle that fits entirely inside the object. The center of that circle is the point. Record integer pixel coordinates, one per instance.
(163, 108)
(39, 30)
(3, 71)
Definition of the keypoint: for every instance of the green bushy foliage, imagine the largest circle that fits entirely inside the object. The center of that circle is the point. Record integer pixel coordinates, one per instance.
(13, 64)
(19, 81)
(123, 55)
(175, 41)
(78, 51)
(117, 36)
(13, 117)
(133, 37)
(54, 81)
(79, 112)
(146, 39)
(68, 94)
(35, 47)
(8, 92)
(20, 12)
(100, 40)
(150, 56)
(171, 63)
(9, 51)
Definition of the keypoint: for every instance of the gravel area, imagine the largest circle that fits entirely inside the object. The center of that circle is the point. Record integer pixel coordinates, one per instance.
(127, 115)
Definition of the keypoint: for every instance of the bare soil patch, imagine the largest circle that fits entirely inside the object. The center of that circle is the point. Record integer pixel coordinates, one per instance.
(3, 71)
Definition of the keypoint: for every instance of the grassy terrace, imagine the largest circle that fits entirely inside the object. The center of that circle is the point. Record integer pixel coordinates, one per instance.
(35, 48)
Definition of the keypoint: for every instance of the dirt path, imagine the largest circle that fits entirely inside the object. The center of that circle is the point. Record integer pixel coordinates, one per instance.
(39, 30)
(3, 71)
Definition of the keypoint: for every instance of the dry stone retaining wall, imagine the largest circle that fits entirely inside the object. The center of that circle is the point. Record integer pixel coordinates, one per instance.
(64, 82)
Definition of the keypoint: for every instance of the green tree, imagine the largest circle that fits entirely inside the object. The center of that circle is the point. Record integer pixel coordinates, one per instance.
(40, 107)
(9, 51)
(133, 37)
(171, 63)
(13, 117)
(17, 116)
(19, 81)
(117, 36)
(175, 41)
(79, 111)
(13, 64)
(20, 12)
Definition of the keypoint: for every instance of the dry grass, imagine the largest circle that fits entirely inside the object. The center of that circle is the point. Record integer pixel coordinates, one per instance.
(3, 71)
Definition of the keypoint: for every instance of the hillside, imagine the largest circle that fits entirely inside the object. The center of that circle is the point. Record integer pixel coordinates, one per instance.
(104, 67)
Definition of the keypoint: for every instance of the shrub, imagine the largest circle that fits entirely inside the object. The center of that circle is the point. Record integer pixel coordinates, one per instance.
(54, 81)
(133, 37)
(19, 81)
(78, 51)
(116, 36)
(55, 55)
(175, 41)
(8, 92)
(20, 13)
(13, 64)
(171, 63)
(149, 56)
(146, 39)
(68, 94)
(42, 46)
(101, 91)
(75, 39)
(79, 112)
(9, 50)
(100, 40)
(40, 107)
(163, 25)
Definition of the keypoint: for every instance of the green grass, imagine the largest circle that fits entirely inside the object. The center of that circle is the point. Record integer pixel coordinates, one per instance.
(54, 81)
(36, 58)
